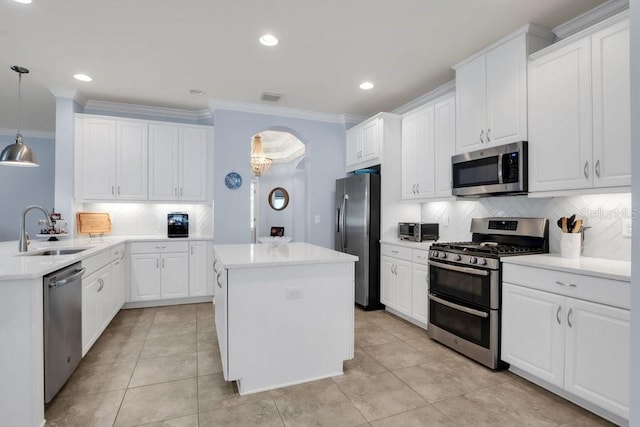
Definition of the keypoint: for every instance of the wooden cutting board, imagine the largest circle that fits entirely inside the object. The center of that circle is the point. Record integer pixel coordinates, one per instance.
(93, 223)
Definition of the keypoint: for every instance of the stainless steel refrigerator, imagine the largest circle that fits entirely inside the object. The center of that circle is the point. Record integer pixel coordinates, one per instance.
(358, 233)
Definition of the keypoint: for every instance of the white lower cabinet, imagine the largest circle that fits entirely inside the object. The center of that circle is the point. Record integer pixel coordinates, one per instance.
(578, 346)
(198, 268)
(405, 281)
(159, 270)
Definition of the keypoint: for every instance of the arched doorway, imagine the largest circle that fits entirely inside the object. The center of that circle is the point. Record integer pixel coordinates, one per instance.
(288, 172)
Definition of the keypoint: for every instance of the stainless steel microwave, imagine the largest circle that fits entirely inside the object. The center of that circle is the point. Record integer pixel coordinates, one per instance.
(491, 171)
(418, 231)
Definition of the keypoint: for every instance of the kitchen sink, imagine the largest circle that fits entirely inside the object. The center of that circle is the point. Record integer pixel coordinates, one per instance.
(55, 252)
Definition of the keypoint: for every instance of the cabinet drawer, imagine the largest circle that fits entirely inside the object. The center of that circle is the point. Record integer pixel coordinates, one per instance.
(96, 262)
(396, 252)
(420, 256)
(159, 247)
(596, 289)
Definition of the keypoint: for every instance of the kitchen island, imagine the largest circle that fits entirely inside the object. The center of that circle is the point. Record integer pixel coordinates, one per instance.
(284, 313)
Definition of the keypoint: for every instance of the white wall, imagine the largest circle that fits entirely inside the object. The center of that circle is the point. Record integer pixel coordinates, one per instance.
(603, 213)
(634, 403)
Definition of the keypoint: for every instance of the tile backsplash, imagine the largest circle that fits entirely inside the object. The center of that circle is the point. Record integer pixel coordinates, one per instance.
(145, 219)
(604, 215)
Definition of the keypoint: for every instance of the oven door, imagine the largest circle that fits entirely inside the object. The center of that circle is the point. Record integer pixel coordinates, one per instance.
(476, 286)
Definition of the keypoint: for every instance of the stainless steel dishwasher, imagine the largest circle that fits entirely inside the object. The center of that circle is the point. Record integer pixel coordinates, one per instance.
(62, 326)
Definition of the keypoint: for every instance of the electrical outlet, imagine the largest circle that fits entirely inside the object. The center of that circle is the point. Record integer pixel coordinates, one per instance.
(317, 219)
(445, 221)
(626, 227)
(295, 293)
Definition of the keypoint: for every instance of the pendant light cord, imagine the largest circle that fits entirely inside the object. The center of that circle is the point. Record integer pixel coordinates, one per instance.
(19, 102)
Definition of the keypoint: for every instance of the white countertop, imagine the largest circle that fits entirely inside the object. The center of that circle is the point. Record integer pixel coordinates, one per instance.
(15, 265)
(598, 267)
(267, 255)
(408, 244)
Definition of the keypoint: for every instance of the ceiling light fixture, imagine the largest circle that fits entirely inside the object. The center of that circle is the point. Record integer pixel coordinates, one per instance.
(23, 1)
(197, 92)
(18, 154)
(268, 40)
(366, 85)
(82, 77)
(259, 162)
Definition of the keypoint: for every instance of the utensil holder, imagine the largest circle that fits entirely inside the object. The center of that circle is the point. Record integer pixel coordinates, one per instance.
(571, 245)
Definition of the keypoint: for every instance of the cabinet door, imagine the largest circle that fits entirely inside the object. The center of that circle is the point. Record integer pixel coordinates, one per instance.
(419, 290)
(560, 134)
(145, 277)
(118, 280)
(131, 161)
(409, 149)
(163, 161)
(197, 269)
(98, 159)
(353, 148)
(423, 158)
(105, 299)
(402, 272)
(370, 135)
(507, 92)
(611, 106)
(533, 332)
(90, 287)
(175, 275)
(193, 164)
(597, 355)
(471, 101)
(388, 283)
(445, 134)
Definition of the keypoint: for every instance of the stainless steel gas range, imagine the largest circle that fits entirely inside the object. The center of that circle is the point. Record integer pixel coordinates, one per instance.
(465, 283)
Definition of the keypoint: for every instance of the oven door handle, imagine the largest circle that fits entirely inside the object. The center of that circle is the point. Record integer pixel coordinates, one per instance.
(460, 269)
(458, 307)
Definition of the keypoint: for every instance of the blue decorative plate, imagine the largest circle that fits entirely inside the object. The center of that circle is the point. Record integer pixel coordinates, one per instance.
(233, 180)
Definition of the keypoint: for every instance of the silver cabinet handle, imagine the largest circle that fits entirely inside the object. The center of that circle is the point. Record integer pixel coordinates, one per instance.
(569, 317)
(598, 168)
(558, 314)
(394, 252)
(573, 285)
(180, 191)
(101, 284)
(488, 135)
(586, 169)
(113, 191)
(482, 136)
(161, 247)
(218, 280)
(191, 250)
(118, 190)
(418, 188)
(175, 191)
(162, 262)
(157, 263)
(464, 309)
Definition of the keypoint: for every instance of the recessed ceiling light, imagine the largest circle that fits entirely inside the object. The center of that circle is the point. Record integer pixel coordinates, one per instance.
(23, 1)
(82, 77)
(268, 40)
(196, 92)
(366, 85)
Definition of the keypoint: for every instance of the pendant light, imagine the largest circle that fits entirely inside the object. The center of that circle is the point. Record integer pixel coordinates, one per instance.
(18, 154)
(259, 162)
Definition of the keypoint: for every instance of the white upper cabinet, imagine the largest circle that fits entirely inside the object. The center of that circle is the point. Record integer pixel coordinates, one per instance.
(579, 111)
(427, 141)
(491, 91)
(177, 162)
(365, 140)
(114, 159)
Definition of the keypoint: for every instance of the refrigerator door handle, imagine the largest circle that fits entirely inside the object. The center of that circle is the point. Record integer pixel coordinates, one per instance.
(343, 234)
(338, 220)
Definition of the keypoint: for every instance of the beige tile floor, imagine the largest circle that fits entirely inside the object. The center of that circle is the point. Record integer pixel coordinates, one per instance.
(161, 367)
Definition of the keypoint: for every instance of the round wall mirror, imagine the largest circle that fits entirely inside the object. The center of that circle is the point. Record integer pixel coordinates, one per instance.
(278, 198)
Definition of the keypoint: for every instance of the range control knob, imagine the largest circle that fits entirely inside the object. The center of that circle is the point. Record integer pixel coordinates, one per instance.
(456, 257)
(472, 260)
(435, 254)
(482, 261)
(443, 255)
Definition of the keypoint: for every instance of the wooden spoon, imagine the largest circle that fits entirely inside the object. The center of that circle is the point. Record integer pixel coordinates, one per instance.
(564, 224)
(577, 226)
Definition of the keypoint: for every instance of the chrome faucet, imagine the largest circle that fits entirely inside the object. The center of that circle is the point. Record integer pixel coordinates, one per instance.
(24, 240)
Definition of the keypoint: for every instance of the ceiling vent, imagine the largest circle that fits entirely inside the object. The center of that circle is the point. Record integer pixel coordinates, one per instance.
(271, 97)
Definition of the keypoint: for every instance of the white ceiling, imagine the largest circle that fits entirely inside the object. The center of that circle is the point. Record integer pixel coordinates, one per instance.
(152, 52)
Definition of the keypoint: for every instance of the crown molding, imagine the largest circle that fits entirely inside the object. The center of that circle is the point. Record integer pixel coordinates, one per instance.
(28, 133)
(164, 112)
(248, 107)
(445, 89)
(590, 18)
(353, 119)
(68, 93)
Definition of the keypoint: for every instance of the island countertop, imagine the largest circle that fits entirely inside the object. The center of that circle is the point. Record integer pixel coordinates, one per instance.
(266, 254)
